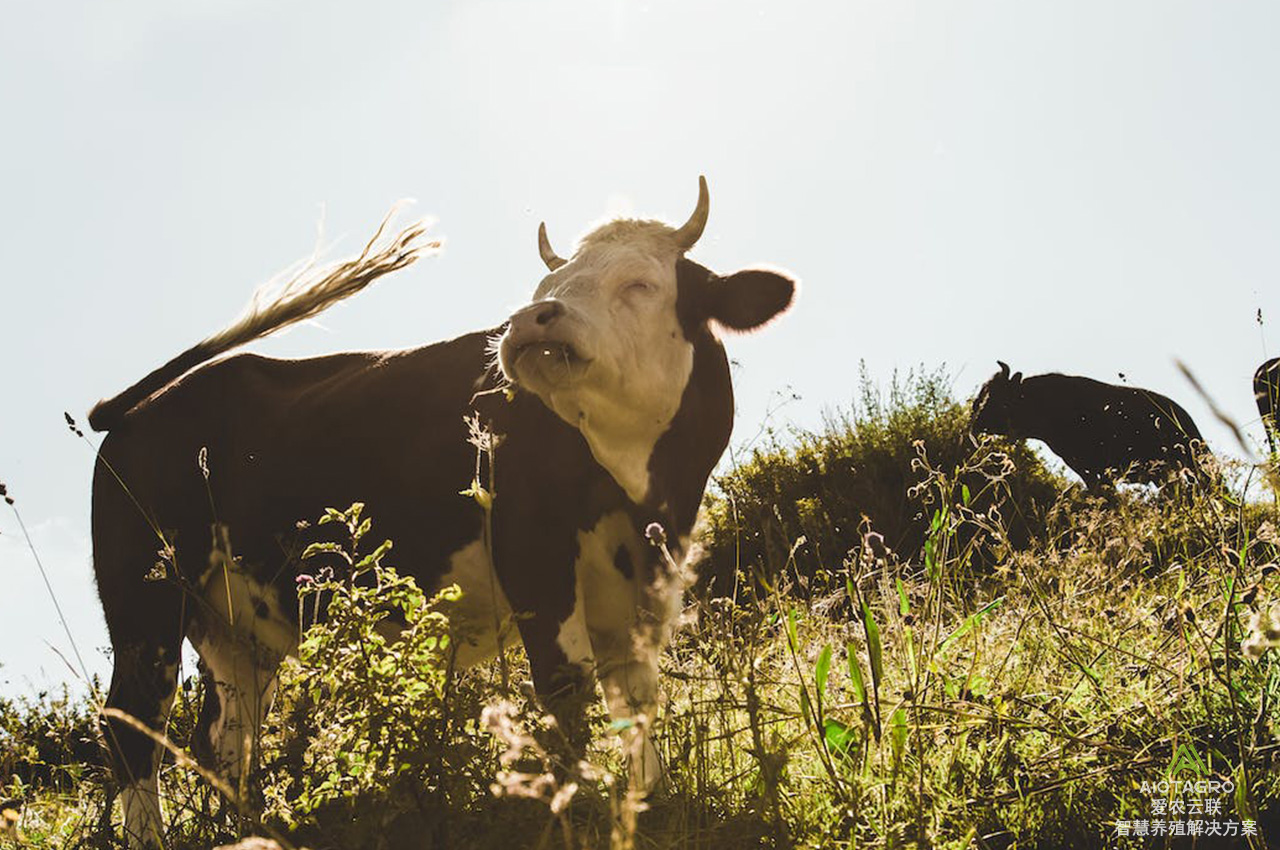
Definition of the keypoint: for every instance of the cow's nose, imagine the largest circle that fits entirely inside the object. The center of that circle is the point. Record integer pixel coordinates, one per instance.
(532, 321)
(546, 312)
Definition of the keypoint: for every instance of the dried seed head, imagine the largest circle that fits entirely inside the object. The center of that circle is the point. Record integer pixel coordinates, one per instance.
(656, 534)
(874, 541)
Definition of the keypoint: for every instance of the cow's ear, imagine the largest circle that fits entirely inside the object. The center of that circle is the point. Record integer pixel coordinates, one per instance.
(742, 301)
(745, 300)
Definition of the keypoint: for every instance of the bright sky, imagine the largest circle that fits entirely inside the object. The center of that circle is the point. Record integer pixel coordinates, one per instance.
(1086, 187)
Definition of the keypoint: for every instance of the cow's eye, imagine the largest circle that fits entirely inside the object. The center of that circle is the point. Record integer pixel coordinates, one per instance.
(637, 289)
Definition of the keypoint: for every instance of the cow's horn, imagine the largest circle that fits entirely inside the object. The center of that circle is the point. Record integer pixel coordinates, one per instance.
(1004, 369)
(544, 248)
(692, 229)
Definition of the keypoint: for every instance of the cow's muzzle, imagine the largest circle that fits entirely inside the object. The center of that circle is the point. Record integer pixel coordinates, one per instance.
(539, 336)
(535, 322)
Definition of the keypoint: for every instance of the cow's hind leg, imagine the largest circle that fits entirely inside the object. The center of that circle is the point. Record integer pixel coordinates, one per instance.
(240, 679)
(146, 650)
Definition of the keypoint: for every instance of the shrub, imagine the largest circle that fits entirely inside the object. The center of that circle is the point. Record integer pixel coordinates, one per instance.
(827, 487)
(49, 742)
(373, 735)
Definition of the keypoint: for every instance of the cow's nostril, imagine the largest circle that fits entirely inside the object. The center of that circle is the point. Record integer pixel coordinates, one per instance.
(549, 312)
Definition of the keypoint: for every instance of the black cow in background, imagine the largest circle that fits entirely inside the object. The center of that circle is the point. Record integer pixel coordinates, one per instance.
(1102, 431)
(1266, 390)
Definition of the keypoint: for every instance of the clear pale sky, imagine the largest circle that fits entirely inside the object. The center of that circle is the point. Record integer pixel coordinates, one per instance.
(1086, 187)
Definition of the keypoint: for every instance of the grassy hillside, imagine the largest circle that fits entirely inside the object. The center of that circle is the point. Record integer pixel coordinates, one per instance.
(1020, 666)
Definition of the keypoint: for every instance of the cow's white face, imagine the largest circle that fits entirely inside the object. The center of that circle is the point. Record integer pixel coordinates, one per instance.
(601, 344)
(608, 340)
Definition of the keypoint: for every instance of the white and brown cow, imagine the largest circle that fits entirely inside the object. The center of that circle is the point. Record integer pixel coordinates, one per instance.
(1266, 392)
(623, 405)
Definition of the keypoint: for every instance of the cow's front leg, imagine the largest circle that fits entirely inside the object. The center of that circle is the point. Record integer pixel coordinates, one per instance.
(627, 667)
(559, 652)
(627, 649)
(633, 603)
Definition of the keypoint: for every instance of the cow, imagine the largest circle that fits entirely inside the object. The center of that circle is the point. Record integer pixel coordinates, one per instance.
(1266, 392)
(1104, 432)
(610, 396)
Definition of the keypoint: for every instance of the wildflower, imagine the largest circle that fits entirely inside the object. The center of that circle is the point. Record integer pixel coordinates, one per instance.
(656, 534)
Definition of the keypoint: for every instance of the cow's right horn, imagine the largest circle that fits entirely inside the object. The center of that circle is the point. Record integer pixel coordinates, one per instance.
(692, 229)
(549, 256)
(1004, 369)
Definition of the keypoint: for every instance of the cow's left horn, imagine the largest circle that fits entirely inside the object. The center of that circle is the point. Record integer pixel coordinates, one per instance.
(544, 248)
(692, 229)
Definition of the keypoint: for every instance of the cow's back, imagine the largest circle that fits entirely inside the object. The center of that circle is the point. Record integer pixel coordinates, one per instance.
(282, 440)
(1095, 426)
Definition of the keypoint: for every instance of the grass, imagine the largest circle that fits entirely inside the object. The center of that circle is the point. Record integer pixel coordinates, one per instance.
(1017, 668)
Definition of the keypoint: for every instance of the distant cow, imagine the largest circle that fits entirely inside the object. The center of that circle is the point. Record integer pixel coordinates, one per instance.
(1266, 390)
(1102, 431)
(621, 406)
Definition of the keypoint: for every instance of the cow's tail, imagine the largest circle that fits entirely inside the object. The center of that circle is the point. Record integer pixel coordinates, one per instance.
(291, 297)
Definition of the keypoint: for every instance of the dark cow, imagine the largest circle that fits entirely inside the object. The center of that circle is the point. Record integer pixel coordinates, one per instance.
(1266, 391)
(611, 393)
(1102, 431)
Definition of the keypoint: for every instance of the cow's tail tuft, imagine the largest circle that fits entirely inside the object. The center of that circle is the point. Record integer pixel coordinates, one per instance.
(291, 297)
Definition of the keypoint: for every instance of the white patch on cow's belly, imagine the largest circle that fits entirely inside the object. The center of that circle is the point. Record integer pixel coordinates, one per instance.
(481, 620)
(611, 598)
(607, 603)
(237, 610)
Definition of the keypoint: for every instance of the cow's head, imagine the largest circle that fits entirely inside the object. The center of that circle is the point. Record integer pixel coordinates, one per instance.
(995, 410)
(608, 341)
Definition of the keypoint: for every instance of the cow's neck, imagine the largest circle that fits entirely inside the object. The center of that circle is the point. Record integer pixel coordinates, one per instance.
(625, 454)
(623, 439)
(664, 468)
(682, 459)
(1037, 409)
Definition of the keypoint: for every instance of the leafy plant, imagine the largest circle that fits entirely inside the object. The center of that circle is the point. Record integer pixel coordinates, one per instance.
(365, 725)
